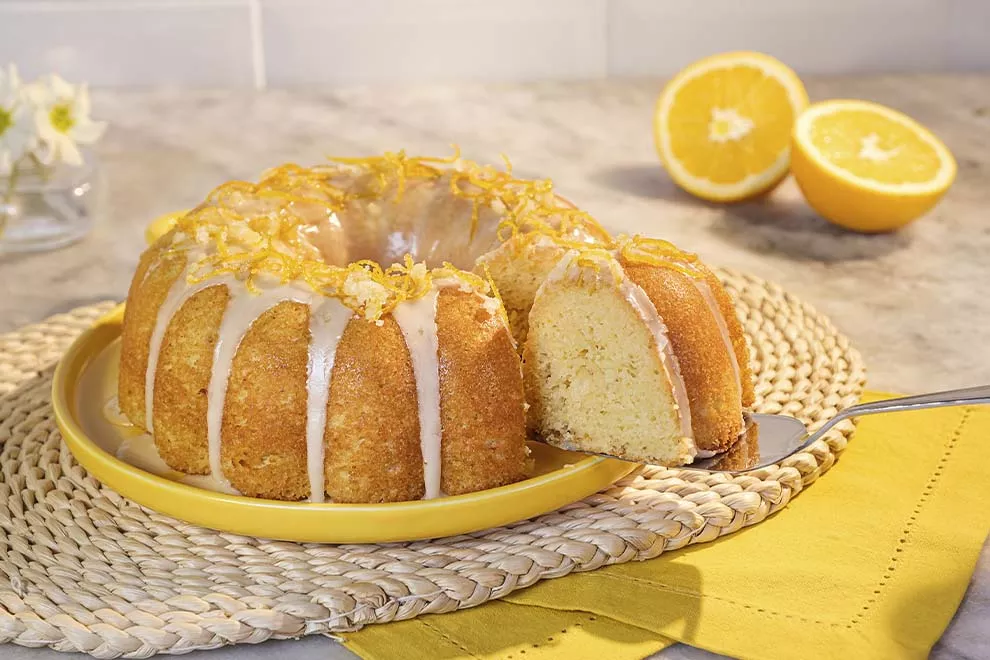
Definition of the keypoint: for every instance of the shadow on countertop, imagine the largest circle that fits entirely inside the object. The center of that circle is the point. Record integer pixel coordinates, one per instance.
(777, 223)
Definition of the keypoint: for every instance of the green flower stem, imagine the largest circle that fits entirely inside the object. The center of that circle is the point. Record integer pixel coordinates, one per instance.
(15, 171)
(44, 171)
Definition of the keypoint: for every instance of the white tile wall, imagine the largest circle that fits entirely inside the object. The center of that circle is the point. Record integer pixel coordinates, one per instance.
(969, 35)
(647, 37)
(345, 42)
(131, 43)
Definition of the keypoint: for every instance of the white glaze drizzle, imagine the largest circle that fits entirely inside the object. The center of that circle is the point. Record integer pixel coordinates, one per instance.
(243, 309)
(177, 295)
(560, 271)
(327, 321)
(647, 312)
(418, 321)
(113, 414)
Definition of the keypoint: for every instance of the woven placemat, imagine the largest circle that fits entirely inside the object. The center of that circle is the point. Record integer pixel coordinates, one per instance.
(84, 569)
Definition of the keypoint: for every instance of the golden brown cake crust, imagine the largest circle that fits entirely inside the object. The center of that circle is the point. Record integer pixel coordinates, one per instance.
(743, 455)
(372, 434)
(185, 363)
(704, 359)
(739, 344)
(263, 434)
(156, 272)
(481, 397)
(372, 441)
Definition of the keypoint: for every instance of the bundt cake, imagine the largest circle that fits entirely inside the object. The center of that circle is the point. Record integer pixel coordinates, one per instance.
(264, 344)
(261, 346)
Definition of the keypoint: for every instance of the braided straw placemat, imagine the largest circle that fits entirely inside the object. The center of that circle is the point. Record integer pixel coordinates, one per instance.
(83, 569)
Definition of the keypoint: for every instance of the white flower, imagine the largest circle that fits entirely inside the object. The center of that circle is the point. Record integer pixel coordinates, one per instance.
(16, 128)
(62, 120)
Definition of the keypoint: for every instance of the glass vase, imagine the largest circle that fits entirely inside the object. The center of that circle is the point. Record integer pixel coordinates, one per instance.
(47, 207)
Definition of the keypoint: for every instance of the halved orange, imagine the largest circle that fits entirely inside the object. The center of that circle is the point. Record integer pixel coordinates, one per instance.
(867, 167)
(723, 125)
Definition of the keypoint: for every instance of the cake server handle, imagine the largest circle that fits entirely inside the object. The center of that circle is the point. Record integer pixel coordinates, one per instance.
(966, 396)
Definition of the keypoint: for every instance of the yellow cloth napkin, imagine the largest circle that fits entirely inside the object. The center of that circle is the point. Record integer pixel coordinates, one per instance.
(870, 562)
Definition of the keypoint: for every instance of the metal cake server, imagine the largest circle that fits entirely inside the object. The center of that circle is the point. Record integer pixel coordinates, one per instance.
(769, 439)
(780, 436)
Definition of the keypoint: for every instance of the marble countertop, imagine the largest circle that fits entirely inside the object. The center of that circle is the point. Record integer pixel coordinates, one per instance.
(910, 301)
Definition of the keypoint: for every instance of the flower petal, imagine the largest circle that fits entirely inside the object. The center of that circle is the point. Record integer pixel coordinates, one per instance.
(60, 88)
(71, 154)
(10, 85)
(66, 151)
(43, 124)
(82, 102)
(87, 131)
(38, 94)
(19, 138)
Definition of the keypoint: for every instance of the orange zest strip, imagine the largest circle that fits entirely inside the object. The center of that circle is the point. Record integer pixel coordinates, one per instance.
(257, 230)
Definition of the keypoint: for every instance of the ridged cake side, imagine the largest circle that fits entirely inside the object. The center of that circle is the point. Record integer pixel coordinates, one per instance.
(182, 380)
(706, 361)
(482, 405)
(372, 434)
(157, 271)
(373, 449)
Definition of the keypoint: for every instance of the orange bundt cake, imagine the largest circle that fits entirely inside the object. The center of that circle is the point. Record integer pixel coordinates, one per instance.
(265, 344)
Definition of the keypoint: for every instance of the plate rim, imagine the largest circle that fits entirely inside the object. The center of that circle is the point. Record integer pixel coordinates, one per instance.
(213, 510)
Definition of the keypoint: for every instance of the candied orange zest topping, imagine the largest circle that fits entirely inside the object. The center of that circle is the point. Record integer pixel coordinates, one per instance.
(268, 241)
(658, 252)
(396, 169)
(593, 258)
(539, 212)
(496, 294)
(252, 230)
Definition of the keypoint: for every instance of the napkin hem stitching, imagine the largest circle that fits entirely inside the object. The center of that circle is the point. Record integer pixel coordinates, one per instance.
(449, 639)
(685, 592)
(912, 520)
(906, 531)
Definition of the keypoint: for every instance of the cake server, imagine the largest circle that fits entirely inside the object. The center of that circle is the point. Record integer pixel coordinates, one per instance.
(781, 436)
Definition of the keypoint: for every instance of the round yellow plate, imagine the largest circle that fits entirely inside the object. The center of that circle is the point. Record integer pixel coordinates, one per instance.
(86, 379)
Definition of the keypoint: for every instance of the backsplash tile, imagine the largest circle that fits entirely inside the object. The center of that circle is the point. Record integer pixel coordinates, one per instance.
(386, 41)
(251, 43)
(121, 44)
(969, 35)
(840, 36)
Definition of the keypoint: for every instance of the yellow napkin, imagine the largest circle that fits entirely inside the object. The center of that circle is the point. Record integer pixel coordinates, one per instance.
(871, 561)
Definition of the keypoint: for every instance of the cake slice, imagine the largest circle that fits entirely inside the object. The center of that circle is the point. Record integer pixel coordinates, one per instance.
(636, 352)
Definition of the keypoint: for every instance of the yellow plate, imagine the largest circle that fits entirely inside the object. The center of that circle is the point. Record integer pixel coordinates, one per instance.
(86, 379)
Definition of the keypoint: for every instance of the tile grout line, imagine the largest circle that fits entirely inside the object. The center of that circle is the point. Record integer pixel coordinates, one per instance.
(257, 45)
